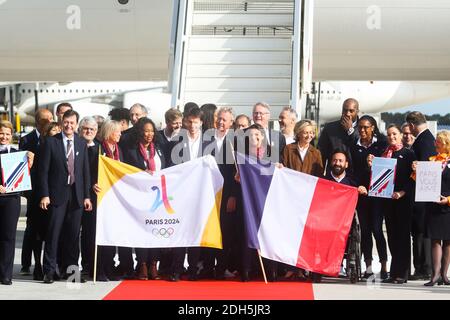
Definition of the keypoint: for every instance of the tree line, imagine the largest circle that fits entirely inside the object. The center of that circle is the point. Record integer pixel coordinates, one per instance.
(399, 118)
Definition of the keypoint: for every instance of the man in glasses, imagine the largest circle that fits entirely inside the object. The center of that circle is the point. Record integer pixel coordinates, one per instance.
(275, 140)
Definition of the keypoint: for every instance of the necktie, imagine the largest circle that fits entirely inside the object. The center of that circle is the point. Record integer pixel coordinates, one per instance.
(70, 162)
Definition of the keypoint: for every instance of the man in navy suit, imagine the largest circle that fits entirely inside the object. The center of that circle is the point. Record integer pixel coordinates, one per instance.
(423, 148)
(33, 236)
(276, 141)
(64, 186)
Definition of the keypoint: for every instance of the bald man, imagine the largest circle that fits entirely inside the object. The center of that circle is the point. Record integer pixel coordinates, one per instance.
(340, 134)
(32, 239)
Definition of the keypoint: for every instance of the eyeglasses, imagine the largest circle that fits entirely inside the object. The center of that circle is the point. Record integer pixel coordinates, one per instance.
(260, 113)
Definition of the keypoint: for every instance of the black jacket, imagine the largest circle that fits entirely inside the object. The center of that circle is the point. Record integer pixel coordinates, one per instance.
(133, 156)
(423, 146)
(53, 171)
(334, 136)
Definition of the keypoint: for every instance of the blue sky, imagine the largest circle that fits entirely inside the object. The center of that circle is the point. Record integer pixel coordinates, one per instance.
(440, 106)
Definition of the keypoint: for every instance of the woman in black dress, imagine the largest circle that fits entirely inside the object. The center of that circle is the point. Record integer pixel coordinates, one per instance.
(398, 210)
(437, 219)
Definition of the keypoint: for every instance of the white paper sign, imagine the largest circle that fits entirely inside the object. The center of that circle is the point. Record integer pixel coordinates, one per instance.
(428, 181)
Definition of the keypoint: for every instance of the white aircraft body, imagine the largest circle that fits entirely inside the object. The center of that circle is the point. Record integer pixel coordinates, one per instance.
(405, 42)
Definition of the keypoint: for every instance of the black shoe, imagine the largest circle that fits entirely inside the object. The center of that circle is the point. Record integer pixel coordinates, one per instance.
(388, 280)
(192, 277)
(48, 278)
(432, 283)
(316, 277)
(220, 276)
(384, 275)
(426, 276)
(367, 275)
(25, 271)
(245, 276)
(6, 282)
(400, 281)
(102, 278)
(38, 275)
(175, 277)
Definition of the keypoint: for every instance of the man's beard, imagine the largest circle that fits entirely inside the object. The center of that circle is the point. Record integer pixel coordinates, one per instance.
(337, 170)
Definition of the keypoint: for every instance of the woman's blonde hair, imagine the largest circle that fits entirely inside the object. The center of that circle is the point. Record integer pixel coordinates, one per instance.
(444, 137)
(108, 127)
(6, 124)
(301, 125)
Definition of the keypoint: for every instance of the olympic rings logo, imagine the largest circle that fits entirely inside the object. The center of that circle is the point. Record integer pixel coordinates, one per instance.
(163, 232)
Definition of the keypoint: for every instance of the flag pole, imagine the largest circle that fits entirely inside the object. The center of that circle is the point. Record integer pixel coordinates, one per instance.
(262, 266)
(95, 259)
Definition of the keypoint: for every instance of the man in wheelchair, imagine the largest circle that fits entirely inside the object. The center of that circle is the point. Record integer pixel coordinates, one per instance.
(338, 173)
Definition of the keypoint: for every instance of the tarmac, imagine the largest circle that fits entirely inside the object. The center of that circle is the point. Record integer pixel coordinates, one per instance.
(24, 288)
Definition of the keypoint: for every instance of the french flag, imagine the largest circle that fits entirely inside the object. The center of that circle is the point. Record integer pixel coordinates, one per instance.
(296, 218)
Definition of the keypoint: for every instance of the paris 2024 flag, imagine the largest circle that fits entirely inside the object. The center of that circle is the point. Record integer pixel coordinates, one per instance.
(296, 218)
(175, 207)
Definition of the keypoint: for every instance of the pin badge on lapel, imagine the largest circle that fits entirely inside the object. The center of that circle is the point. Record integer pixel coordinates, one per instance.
(77, 153)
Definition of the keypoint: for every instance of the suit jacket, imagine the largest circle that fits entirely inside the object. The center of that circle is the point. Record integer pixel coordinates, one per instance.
(133, 156)
(178, 150)
(334, 136)
(226, 163)
(53, 171)
(128, 138)
(276, 144)
(311, 164)
(423, 146)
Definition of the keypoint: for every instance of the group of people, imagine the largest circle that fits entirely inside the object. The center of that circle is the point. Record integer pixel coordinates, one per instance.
(64, 169)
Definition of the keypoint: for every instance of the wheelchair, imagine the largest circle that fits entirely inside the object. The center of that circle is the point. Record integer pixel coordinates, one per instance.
(352, 253)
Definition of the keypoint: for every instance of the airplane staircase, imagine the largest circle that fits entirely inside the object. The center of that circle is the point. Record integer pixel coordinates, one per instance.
(236, 53)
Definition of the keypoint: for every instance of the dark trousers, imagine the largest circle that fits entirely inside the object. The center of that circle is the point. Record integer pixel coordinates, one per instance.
(370, 217)
(147, 255)
(9, 216)
(105, 254)
(88, 240)
(421, 244)
(64, 221)
(34, 234)
(126, 265)
(177, 264)
(398, 215)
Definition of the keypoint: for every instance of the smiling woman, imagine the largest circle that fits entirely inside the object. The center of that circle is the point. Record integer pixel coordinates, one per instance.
(9, 208)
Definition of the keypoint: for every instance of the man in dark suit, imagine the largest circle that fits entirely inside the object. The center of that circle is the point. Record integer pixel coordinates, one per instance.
(65, 191)
(173, 118)
(340, 134)
(231, 221)
(188, 145)
(34, 231)
(129, 136)
(423, 148)
(276, 141)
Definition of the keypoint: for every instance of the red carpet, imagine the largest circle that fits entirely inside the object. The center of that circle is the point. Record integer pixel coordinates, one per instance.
(211, 290)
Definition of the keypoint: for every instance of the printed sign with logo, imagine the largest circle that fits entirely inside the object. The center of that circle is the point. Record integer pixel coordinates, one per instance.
(15, 172)
(383, 177)
(428, 181)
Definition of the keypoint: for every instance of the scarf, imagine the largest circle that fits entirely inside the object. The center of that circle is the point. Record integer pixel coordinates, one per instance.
(149, 161)
(258, 152)
(391, 149)
(441, 157)
(109, 153)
